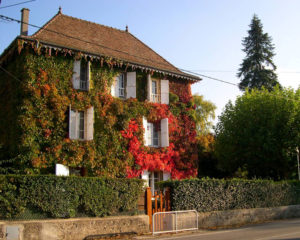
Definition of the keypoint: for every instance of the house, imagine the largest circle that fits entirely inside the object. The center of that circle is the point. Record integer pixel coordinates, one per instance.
(86, 98)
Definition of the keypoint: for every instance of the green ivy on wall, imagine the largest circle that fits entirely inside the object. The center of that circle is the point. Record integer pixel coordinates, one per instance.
(34, 122)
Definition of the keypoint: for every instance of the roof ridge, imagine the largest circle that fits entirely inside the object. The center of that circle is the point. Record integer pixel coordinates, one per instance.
(123, 31)
(46, 24)
(153, 51)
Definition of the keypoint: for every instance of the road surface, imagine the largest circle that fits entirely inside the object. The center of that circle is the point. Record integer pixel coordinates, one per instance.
(279, 230)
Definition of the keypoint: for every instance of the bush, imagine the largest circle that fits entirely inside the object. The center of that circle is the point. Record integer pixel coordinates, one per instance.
(206, 195)
(64, 197)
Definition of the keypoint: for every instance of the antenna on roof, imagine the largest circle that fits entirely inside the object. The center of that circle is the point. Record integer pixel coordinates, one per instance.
(59, 9)
(126, 28)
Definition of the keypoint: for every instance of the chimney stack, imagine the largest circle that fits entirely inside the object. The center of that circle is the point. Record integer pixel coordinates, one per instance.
(24, 21)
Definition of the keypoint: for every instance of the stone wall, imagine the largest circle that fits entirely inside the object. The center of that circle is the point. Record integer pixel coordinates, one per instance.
(75, 229)
(79, 229)
(231, 218)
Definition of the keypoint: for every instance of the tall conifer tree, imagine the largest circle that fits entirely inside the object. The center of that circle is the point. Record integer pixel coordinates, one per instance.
(258, 68)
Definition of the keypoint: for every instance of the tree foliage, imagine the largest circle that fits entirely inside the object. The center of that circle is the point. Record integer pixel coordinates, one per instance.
(205, 112)
(257, 68)
(257, 136)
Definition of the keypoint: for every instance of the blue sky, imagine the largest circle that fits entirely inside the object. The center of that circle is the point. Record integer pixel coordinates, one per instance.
(199, 35)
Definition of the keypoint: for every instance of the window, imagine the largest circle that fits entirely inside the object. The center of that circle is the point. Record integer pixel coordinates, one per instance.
(154, 178)
(83, 75)
(76, 124)
(121, 85)
(81, 124)
(154, 91)
(152, 135)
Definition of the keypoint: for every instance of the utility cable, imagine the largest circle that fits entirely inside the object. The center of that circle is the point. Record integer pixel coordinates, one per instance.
(16, 4)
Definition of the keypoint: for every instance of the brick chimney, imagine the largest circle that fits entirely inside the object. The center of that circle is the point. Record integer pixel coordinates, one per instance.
(24, 21)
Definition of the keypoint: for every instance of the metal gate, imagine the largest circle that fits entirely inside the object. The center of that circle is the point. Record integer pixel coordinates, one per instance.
(174, 221)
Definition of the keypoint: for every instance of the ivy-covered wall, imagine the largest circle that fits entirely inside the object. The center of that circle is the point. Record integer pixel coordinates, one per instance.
(34, 121)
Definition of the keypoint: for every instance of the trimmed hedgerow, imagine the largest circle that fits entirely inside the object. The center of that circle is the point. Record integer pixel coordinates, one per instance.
(206, 195)
(63, 197)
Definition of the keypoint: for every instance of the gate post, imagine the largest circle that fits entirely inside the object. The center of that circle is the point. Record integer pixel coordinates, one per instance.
(167, 199)
(149, 204)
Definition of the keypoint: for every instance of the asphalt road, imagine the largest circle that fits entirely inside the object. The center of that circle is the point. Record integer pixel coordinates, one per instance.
(279, 230)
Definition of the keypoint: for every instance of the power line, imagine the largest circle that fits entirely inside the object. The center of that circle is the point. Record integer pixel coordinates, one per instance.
(231, 71)
(82, 40)
(234, 84)
(212, 78)
(68, 36)
(17, 4)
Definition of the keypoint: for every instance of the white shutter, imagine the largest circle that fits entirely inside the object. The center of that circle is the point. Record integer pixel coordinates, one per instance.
(61, 170)
(149, 87)
(164, 132)
(149, 134)
(166, 176)
(72, 124)
(145, 131)
(131, 85)
(88, 74)
(89, 124)
(76, 75)
(145, 176)
(113, 87)
(164, 89)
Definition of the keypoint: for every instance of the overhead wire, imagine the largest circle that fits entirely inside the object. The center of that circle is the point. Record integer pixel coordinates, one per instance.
(16, 4)
(82, 40)
(68, 36)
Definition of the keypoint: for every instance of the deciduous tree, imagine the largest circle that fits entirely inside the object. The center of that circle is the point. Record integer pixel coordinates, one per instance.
(257, 136)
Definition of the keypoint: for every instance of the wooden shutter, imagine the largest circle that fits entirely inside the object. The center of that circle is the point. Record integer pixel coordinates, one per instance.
(164, 132)
(76, 75)
(164, 89)
(89, 124)
(89, 76)
(131, 85)
(61, 170)
(145, 131)
(149, 87)
(145, 176)
(72, 124)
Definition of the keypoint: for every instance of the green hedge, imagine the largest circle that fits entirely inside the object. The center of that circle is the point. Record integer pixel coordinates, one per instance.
(206, 195)
(29, 197)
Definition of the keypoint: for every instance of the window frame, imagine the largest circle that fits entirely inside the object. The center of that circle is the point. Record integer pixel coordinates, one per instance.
(155, 91)
(79, 125)
(121, 89)
(153, 180)
(153, 135)
(84, 78)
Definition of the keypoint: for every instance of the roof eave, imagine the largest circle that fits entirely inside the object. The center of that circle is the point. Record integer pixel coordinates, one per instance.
(185, 76)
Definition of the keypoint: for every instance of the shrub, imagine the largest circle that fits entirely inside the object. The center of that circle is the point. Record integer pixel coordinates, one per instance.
(206, 195)
(64, 197)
